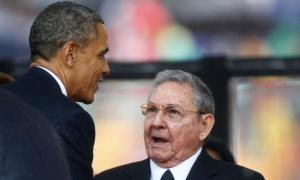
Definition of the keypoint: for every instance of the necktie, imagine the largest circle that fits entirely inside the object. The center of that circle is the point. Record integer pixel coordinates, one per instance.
(167, 176)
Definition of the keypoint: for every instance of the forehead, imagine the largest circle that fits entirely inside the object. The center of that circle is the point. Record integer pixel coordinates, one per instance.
(102, 32)
(173, 93)
(101, 41)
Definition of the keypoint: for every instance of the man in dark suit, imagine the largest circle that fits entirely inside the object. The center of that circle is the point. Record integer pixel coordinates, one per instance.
(68, 45)
(27, 143)
(179, 116)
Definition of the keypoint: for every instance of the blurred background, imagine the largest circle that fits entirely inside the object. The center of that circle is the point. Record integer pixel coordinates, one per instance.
(245, 50)
(175, 30)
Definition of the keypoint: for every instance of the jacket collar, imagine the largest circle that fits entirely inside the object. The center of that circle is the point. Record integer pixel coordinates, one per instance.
(204, 167)
(141, 171)
(45, 78)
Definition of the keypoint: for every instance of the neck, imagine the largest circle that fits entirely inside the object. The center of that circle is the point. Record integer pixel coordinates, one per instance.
(175, 161)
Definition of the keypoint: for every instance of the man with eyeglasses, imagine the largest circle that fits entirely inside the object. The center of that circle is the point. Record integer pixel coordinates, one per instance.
(179, 116)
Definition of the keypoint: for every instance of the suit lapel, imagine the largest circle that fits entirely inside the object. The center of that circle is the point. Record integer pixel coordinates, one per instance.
(203, 167)
(141, 171)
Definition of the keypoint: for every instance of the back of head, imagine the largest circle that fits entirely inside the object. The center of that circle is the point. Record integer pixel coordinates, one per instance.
(219, 148)
(60, 23)
(203, 98)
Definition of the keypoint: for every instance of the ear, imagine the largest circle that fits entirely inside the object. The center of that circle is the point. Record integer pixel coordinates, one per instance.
(207, 122)
(69, 51)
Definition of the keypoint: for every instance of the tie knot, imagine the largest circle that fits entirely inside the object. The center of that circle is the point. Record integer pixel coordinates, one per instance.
(167, 175)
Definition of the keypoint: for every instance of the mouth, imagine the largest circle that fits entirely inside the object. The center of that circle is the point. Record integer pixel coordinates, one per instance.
(158, 139)
(100, 79)
(96, 87)
(98, 83)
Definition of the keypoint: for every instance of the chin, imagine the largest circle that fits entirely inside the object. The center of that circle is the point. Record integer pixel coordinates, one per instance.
(159, 156)
(86, 100)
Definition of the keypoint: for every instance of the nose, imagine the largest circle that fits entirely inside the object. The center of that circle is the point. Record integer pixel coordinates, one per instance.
(106, 69)
(158, 120)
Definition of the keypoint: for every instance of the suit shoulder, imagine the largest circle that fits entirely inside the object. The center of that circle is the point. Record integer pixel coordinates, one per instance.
(64, 111)
(121, 172)
(241, 172)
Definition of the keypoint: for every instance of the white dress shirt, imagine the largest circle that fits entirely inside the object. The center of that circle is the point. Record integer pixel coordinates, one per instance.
(180, 172)
(61, 85)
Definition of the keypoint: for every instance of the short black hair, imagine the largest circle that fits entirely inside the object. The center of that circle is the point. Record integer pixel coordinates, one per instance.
(60, 23)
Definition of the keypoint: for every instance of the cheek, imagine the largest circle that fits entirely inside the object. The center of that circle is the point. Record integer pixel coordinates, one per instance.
(95, 67)
(181, 135)
(147, 129)
(93, 73)
(177, 134)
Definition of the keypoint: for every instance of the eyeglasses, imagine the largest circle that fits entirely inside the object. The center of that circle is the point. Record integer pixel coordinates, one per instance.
(171, 112)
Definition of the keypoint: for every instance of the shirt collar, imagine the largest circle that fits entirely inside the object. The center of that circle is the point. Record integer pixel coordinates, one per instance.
(61, 85)
(179, 172)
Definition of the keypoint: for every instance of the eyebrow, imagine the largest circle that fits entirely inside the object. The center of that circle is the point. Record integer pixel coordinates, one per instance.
(103, 52)
(165, 104)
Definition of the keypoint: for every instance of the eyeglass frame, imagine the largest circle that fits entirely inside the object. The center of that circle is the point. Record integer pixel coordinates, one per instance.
(163, 107)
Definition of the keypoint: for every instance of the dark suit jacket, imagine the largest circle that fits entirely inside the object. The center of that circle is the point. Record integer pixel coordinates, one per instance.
(204, 168)
(73, 124)
(27, 144)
